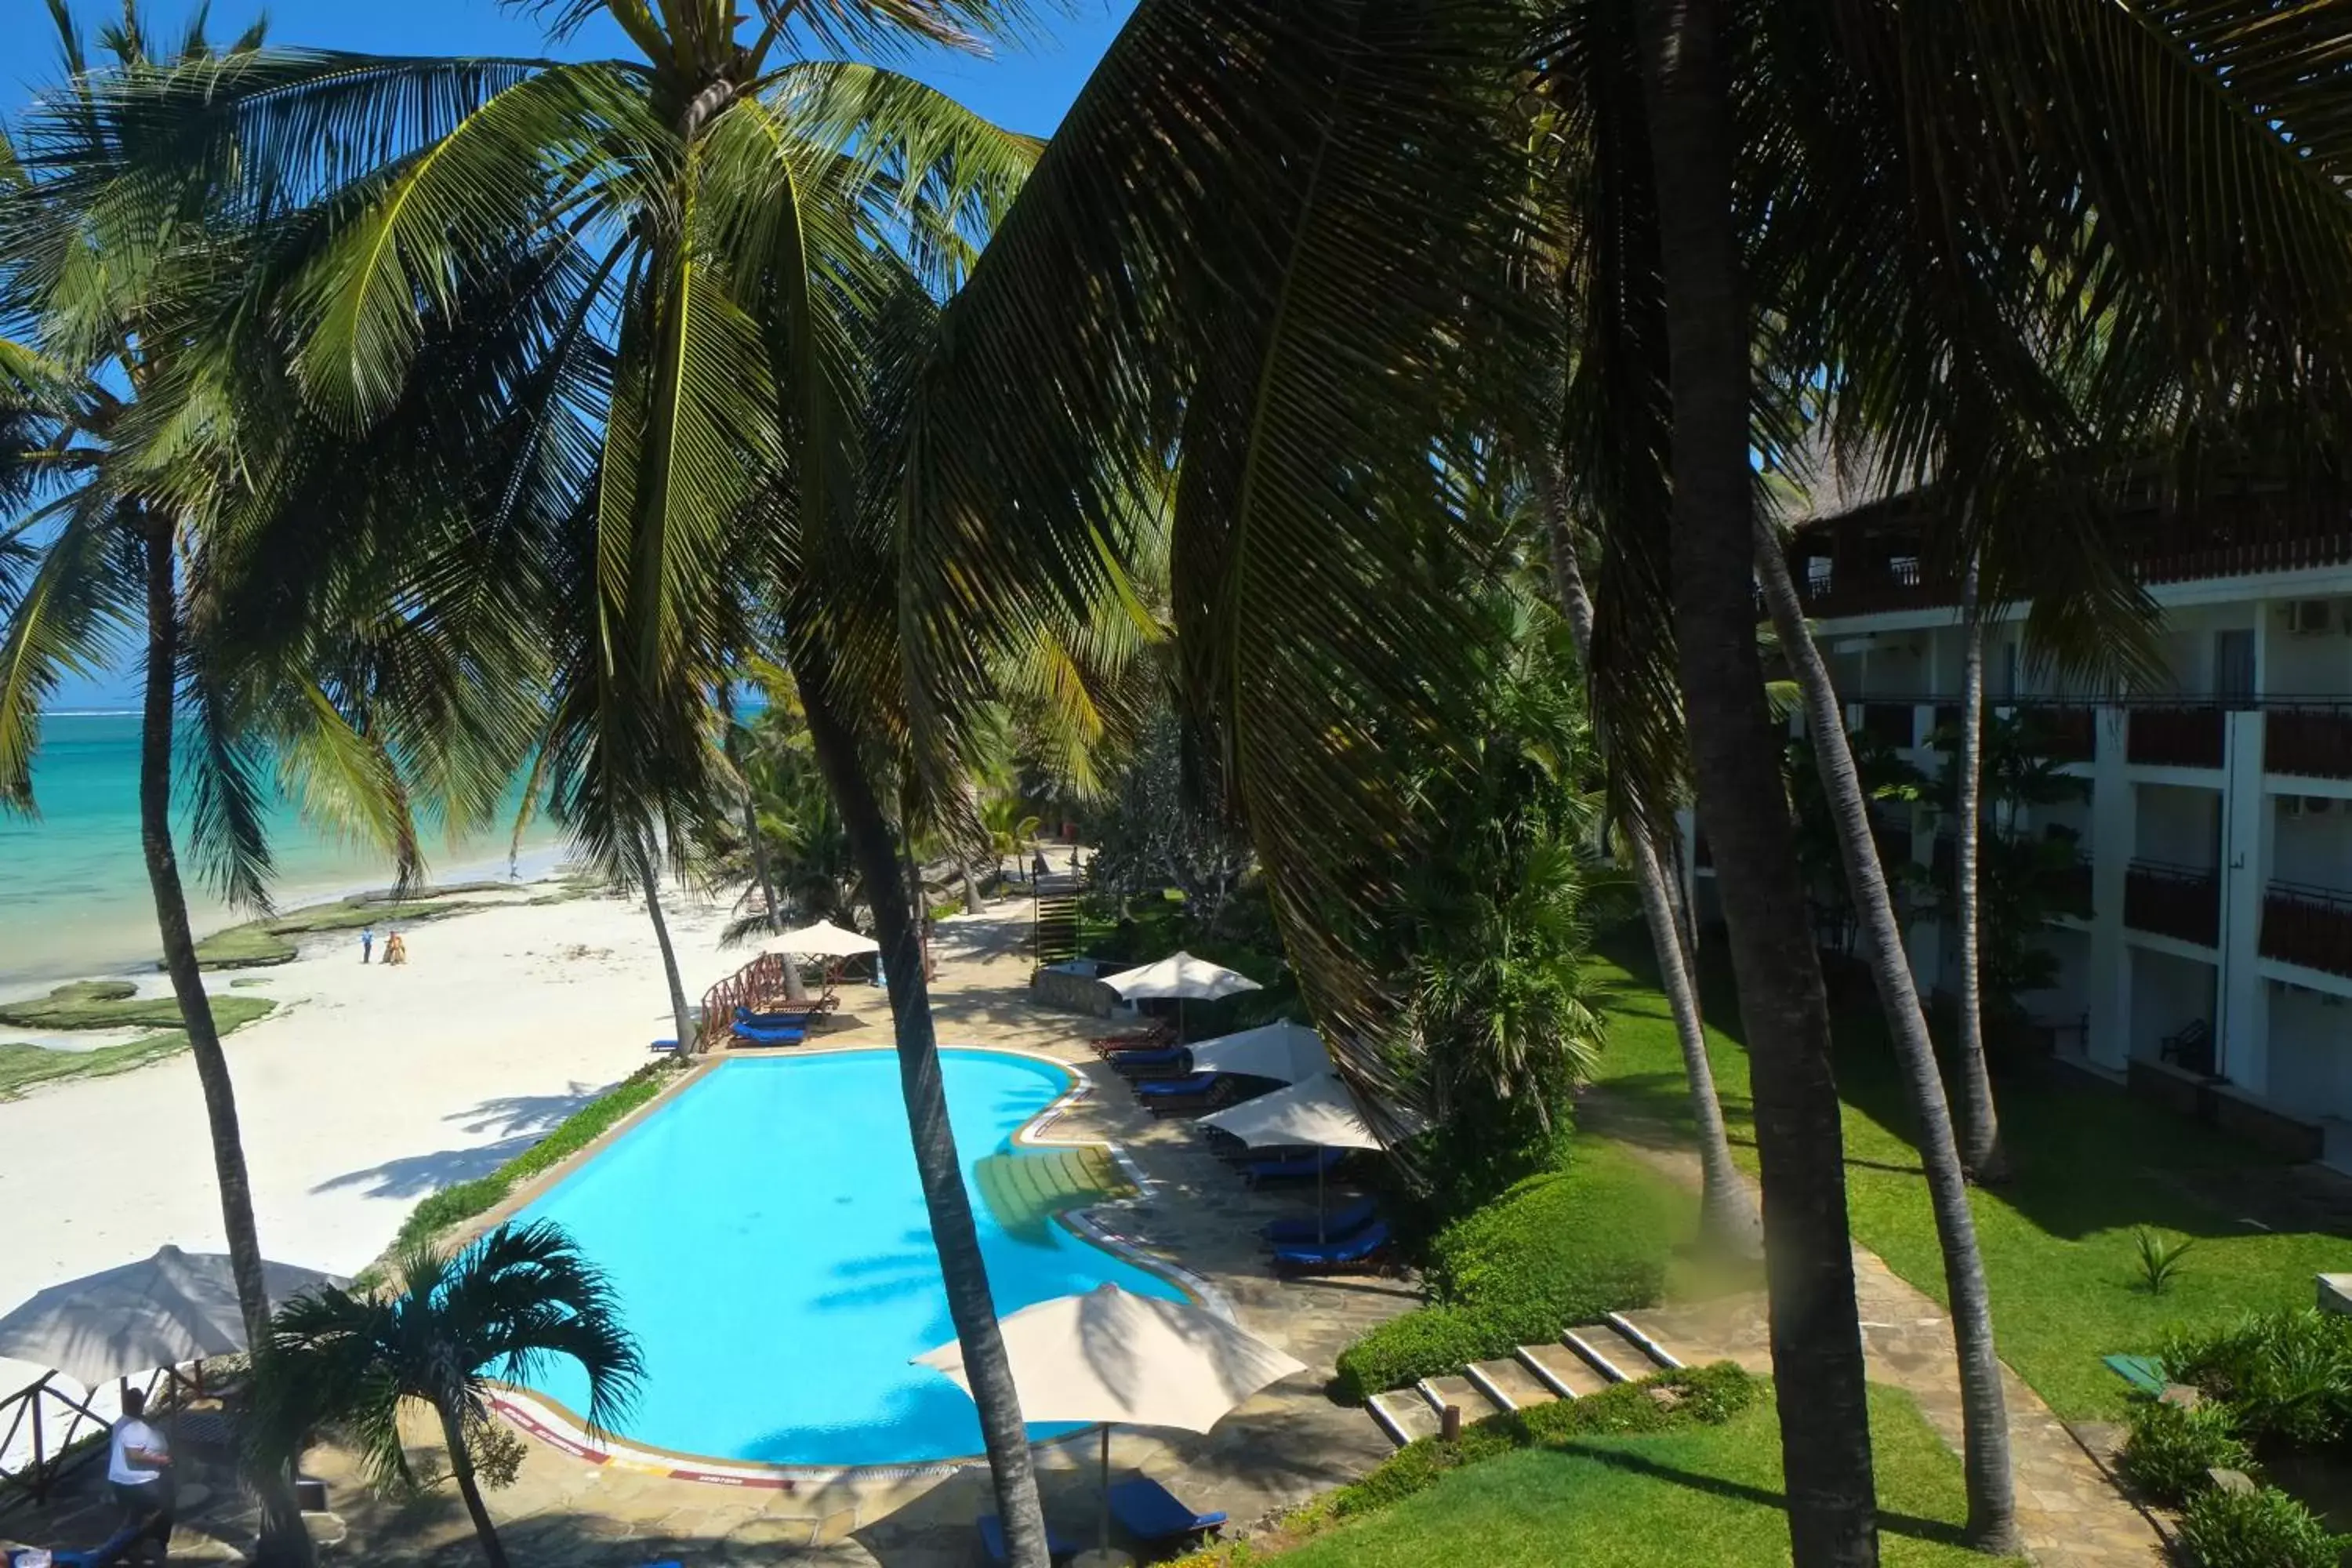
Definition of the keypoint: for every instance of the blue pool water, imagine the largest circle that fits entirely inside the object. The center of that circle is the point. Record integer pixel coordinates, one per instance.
(767, 1236)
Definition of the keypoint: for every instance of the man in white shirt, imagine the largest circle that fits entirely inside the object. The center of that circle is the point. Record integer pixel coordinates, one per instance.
(139, 1469)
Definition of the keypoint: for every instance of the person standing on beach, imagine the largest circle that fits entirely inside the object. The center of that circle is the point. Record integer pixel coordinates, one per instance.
(367, 944)
(139, 1472)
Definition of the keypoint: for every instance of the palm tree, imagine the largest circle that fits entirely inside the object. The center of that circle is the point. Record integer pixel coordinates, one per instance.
(1982, 1153)
(506, 1307)
(697, 253)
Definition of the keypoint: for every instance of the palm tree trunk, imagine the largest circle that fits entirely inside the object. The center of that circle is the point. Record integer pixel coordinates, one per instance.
(461, 1467)
(963, 1269)
(1823, 1408)
(179, 941)
(1982, 1153)
(970, 887)
(1726, 1213)
(1992, 1510)
(649, 880)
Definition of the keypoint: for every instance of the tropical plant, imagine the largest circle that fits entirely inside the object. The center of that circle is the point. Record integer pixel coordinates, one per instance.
(2172, 1447)
(698, 270)
(2158, 1256)
(507, 1306)
(2264, 1527)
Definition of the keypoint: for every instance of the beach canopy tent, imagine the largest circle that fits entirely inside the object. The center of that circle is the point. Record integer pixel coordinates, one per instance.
(823, 940)
(173, 1307)
(1318, 1113)
(1182, 977)
(1290, 1052)
(1117, 1358)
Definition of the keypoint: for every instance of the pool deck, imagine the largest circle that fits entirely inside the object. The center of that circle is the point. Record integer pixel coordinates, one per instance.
(1280, 1448)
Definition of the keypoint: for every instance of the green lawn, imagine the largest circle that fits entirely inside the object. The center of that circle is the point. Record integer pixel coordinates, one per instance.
(1701, 1494)
(2057, 1239)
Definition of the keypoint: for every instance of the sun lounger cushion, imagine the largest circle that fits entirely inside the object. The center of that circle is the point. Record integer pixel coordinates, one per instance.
(1352, 1250)
(1296, 1167)
(665, 1044)
(1167, 1056)
(1151, 1512)
(1199, 1083)
(991, 1541)
(765, 1036)
(101, 1556)
(1337, 1226)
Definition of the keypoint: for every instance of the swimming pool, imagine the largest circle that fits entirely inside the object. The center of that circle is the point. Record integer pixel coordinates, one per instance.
(767, 1238)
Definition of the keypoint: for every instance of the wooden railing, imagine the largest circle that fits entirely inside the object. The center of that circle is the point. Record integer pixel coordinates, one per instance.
(2179, 901)
(2063, 732)
(2186, 737)
(55, 1433)
(2309, 926)
(757, 985)
(2313, 743)
(2074, 890)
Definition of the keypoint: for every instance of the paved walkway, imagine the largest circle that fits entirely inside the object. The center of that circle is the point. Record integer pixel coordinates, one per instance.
(1277, 1451)
(2072, 1514)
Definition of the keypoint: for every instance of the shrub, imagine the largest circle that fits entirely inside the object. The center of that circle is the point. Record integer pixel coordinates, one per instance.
(2262, 1529)
(2289, 1374)
(2159, 1257)
(2171, 1448)
(1419, 1344)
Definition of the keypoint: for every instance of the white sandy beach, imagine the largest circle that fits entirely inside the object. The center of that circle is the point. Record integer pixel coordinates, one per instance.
(367, 1089)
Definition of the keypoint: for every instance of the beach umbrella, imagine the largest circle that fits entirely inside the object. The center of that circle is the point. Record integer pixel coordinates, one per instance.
(1181, 976)
(823, 940)
(1115, 1358)
(1290, 1052)
(172, 1308)
(1318, 1113)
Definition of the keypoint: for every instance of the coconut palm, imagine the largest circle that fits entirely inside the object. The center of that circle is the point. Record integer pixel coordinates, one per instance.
(507, 1306)
(692, 265)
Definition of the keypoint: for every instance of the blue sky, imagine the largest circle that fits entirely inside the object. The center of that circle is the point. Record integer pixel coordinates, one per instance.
(1027, 87)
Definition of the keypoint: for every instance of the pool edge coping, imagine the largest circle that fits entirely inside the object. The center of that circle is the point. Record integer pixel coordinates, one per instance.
(537, 1416)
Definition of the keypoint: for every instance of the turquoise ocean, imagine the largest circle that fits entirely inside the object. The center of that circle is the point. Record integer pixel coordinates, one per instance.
(74, 899)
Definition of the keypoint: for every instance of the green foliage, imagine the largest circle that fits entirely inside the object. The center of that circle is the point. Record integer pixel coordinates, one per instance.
(575, 1132)
(1886, 778)
(2286, 1375)
(1560, 1248)
(2171, 1448)
(2262, 1529)
(115, 1004)
(2158, 1256)
(23, 1065)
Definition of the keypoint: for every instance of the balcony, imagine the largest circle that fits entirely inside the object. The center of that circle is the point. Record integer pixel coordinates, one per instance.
(2072, 893)
(2309, 926)
(2178, 901)
(2310, 742)
(2065, 732)
(1880, 557)
(2188, 737)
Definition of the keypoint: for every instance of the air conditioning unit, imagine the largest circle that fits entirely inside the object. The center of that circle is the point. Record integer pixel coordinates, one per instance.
(2308, 617)
(2318, 804)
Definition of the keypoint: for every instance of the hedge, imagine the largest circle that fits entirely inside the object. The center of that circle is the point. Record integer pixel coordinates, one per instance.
(1688, 1395)
(1560, 1248)
(2260, 1528)
(573, 1133)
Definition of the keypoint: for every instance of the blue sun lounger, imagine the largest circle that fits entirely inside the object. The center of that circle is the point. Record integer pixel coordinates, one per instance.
(779, 1018)
(1337, 1226)
(1149, 1061)
(1294, 1167)
(1152, 1514)
(991, 1541)
(1160, 1089)
(758, 1036)
(1331, 1257)
(113, 1550)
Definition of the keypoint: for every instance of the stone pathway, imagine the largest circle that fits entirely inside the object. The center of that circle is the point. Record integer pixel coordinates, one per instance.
(1282, 1448)
(2073, 1514)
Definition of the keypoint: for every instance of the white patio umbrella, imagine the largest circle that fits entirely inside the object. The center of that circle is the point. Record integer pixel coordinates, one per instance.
(1113, 1357)
(823, 940)
(1319, 1112)
(1291, 1052)
(172, 1308)
(1183, 977)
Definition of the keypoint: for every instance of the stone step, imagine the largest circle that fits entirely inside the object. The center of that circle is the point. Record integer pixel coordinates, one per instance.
(1511, 1381)
(1403, 1415)
(1464, 1395)
(1643, 1355)
(1567, 1373)
(1603, 1352)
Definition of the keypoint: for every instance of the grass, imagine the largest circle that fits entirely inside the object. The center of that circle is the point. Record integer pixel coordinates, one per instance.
(2058, 1240)
(1698, 1493)
(465, 1200)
